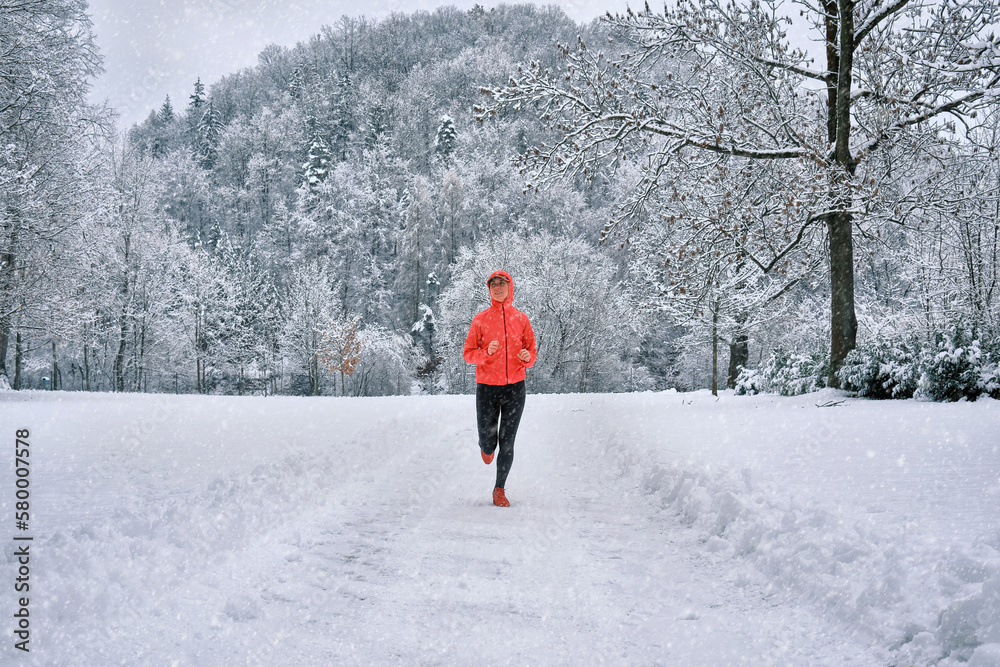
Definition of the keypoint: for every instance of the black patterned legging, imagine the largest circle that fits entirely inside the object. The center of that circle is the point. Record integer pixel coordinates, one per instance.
(498, 412)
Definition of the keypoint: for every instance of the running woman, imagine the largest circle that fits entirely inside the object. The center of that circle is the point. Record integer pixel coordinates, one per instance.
(502, 345)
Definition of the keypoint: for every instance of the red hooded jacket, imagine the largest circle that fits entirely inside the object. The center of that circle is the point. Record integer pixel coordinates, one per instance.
(504, 323)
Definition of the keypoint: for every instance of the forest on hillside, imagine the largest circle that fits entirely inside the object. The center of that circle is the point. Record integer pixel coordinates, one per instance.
(682, 198)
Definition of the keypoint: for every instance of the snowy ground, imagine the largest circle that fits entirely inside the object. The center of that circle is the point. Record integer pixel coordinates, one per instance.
(645, 529)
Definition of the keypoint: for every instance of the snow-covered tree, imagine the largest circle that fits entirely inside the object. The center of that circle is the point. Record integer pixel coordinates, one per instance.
(132, 259)
(386, 365)
(353, 219)
(186, 197)
(197, 99)
(452, 211)
(258, 167)
(47, 151)
(209, 132)
(317, 165)
(340, 348)
(446, 138)
(416, 245)
(253, 340)
(310, 305)
(166, 113)
(342, 116)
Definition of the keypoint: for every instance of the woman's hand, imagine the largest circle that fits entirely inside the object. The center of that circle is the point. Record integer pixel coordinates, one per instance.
(524, 355)
(494, 344)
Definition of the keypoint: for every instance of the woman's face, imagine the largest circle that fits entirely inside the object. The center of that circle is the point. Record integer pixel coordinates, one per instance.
(499, 289)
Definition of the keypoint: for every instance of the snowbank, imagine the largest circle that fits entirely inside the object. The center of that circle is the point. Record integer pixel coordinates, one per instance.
(925, 600)
(144, 559)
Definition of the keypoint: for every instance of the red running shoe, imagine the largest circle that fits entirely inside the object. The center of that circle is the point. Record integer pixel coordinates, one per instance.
(487, 458)
(499, 499)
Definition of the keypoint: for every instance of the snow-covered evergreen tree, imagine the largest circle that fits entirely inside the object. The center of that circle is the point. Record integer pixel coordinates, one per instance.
(317, 166)
(197, 99)
(209, 132)
(166, 113)
(446, 138)
(296, 83)
(342, 116)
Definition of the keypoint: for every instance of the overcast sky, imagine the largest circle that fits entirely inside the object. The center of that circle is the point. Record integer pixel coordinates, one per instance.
(155, 48)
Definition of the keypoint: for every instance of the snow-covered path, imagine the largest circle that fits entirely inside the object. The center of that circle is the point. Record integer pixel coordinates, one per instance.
(421, 568)
(194, 530)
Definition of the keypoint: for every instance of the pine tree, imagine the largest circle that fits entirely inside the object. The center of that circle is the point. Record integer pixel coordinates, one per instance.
(318, 163)
(198, 97)
(296, 83)
(340, 120)
(209, 131)
(444, 142)
(166, 114)
(195, 113)
(378, 124)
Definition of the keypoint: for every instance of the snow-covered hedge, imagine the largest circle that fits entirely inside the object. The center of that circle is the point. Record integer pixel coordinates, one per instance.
(788, 374)
(954, 368)
(883, 369)
(957, 366)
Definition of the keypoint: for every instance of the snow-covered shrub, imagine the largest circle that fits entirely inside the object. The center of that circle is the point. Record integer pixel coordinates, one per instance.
(953, 370)
(989, 370)
(956, 367)
(793, 374)
(749, 382)
(882, 369)
(989, 376)
(785, 373)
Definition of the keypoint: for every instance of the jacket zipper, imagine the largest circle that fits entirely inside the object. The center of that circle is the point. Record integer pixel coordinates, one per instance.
(506, 371)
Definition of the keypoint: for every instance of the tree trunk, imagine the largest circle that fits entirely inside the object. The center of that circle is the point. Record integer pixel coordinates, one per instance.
(141, 375)
(120, 355)
(55, 369)
(715, 350)
(123, 318)
(843, 321)
(199, 362)
(7, 288)
(18, 358)
(739, 355)
(4, 341)
(86, 369)
(416, 287)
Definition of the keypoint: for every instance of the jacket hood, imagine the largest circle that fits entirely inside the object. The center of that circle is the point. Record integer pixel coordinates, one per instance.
(510, 292)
